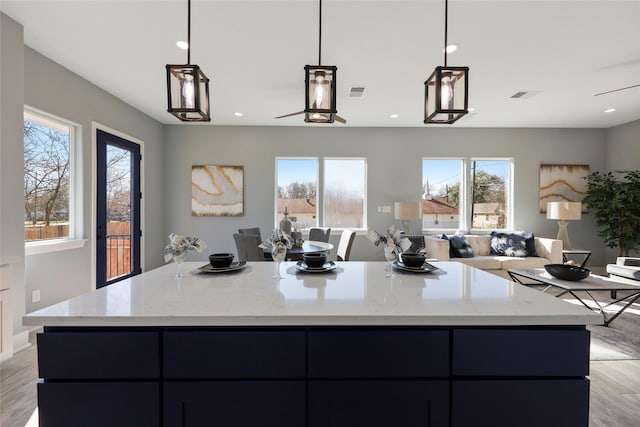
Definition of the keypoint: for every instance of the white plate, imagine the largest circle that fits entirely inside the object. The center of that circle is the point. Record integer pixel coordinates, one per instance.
(328, 266)
(425, 268)
(235, 266)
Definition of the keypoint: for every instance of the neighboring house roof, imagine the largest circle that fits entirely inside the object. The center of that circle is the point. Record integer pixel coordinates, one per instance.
(438, 205)
(488, 208)
(297, 206)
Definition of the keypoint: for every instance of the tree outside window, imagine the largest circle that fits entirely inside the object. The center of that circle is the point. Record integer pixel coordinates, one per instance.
(47, 147)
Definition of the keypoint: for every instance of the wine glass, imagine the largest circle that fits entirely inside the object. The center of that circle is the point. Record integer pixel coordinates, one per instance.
(390, 255)
(179, 255)
(278, 253)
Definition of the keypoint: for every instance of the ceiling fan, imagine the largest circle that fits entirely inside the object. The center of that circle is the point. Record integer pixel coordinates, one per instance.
(320, 89)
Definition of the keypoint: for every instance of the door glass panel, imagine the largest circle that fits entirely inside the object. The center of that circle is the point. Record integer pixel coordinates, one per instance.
(119, 194)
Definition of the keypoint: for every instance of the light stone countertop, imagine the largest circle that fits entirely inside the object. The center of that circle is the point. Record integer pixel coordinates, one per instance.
(358, 293)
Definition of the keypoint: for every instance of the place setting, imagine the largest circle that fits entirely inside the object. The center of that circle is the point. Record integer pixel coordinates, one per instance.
(413, 262)
(314, 263)
(222, 262)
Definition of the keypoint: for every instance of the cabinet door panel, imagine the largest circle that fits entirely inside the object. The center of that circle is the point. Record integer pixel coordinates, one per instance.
(378, 404)
(234, 354)
(234, 404)
(525, 403)
(107, 404)
(378, 353)
(534, 352)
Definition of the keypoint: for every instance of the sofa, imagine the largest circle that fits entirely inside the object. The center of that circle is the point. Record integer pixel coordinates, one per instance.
(548, 251)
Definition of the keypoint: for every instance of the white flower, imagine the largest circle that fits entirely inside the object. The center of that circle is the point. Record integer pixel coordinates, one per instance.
(277, 236)
(178, 244)
(393, 240)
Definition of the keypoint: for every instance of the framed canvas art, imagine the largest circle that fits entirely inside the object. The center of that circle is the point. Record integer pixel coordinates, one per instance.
(560, 183)
(217, 190)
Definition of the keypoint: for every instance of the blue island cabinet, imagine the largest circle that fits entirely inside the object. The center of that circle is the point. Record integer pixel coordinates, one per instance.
(314, 376)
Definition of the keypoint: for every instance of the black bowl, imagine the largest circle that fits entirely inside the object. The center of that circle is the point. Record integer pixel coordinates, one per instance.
(221, 260)
(567, 272)
(413, 259)
(314, 260)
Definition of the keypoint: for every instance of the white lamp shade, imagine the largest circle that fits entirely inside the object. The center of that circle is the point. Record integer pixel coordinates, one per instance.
(564, 210)
(407, 210)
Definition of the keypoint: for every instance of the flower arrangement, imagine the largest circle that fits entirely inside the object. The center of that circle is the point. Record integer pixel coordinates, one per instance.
(278, 236)
(394, 244)
(178, 245)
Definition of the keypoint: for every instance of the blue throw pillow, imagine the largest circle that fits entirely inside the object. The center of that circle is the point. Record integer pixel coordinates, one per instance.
(530, 244)
(509, 244)
(459, 247)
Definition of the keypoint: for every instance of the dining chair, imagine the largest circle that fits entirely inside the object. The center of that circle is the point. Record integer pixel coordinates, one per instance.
(247, 247)
(319, 234)
(251, 230)
(344, 247)
(417, 242)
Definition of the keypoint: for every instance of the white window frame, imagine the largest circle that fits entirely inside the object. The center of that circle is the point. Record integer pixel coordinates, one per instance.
(466, 221)
(74, 239)
(364, 201)
(320, 178)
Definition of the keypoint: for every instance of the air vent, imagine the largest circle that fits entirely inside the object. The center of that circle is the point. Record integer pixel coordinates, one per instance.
(525, 94)
(356, 92)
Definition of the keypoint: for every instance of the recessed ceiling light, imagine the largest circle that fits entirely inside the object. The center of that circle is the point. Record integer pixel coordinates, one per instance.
(394, 116)
(238, 114)
(609, 110)
(182, 45)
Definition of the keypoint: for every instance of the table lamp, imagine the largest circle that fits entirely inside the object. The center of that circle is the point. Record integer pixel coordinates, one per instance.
(406, 211)
(563, 212)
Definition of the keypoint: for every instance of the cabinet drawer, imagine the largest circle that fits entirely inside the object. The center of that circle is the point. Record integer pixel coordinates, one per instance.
(378, 353)
(380, 403)
(234, 403)
(527, 352)
(99, 355)
(524, 403)
(108, 404)
(238, 354)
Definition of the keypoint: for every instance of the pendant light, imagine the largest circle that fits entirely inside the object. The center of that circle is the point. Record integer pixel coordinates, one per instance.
(320, 87)
(188, 87)
(446, 91)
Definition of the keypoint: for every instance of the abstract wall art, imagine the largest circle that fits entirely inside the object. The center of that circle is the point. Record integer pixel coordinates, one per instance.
(562, 183)
(217, 190)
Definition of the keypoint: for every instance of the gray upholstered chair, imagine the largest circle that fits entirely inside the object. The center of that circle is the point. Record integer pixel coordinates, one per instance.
(251, 230)
(344, 247)
(247, 247)
(319, 234)
(417, 242)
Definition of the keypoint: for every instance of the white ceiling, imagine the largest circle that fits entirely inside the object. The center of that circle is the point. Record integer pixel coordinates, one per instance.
(254, 53)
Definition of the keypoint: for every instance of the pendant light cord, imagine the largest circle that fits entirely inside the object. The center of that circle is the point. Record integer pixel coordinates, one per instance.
(320, 34)
(446, 24)
(189, 32)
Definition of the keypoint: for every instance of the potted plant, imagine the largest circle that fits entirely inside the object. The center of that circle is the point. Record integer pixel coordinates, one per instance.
(615, 198)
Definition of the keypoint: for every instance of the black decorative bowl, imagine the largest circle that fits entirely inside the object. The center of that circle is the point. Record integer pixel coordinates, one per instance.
(413, 259)
(314, 260)
(221, 259)
(567, 272)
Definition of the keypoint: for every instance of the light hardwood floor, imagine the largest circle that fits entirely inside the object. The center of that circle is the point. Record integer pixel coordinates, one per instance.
(615, 391)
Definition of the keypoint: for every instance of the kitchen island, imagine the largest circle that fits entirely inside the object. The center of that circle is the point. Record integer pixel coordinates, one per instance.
(457, 347)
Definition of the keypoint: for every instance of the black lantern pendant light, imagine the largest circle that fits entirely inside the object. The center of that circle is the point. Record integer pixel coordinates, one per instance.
(188, 87)
(320, 88)
(446, 91)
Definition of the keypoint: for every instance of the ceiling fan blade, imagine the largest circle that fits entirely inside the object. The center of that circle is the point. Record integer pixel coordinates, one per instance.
(340, 119)
(291, 114)
(616, 90)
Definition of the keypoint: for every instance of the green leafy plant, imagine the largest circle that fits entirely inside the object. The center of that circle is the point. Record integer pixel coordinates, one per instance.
(615, 198)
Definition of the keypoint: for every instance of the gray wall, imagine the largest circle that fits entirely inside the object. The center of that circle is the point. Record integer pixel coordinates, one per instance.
(12, 157)
(394, 171)
(623, 153)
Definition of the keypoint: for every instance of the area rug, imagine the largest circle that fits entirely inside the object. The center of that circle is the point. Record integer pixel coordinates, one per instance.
(618, 341)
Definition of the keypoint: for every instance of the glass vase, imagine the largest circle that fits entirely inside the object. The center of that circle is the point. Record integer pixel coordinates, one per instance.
(278, 253)
(178, 257)
(391, 256)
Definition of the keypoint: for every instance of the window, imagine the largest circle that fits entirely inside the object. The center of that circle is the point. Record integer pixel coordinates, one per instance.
(48, 192)
(341, 192)
(467, 193)
(344, 193)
